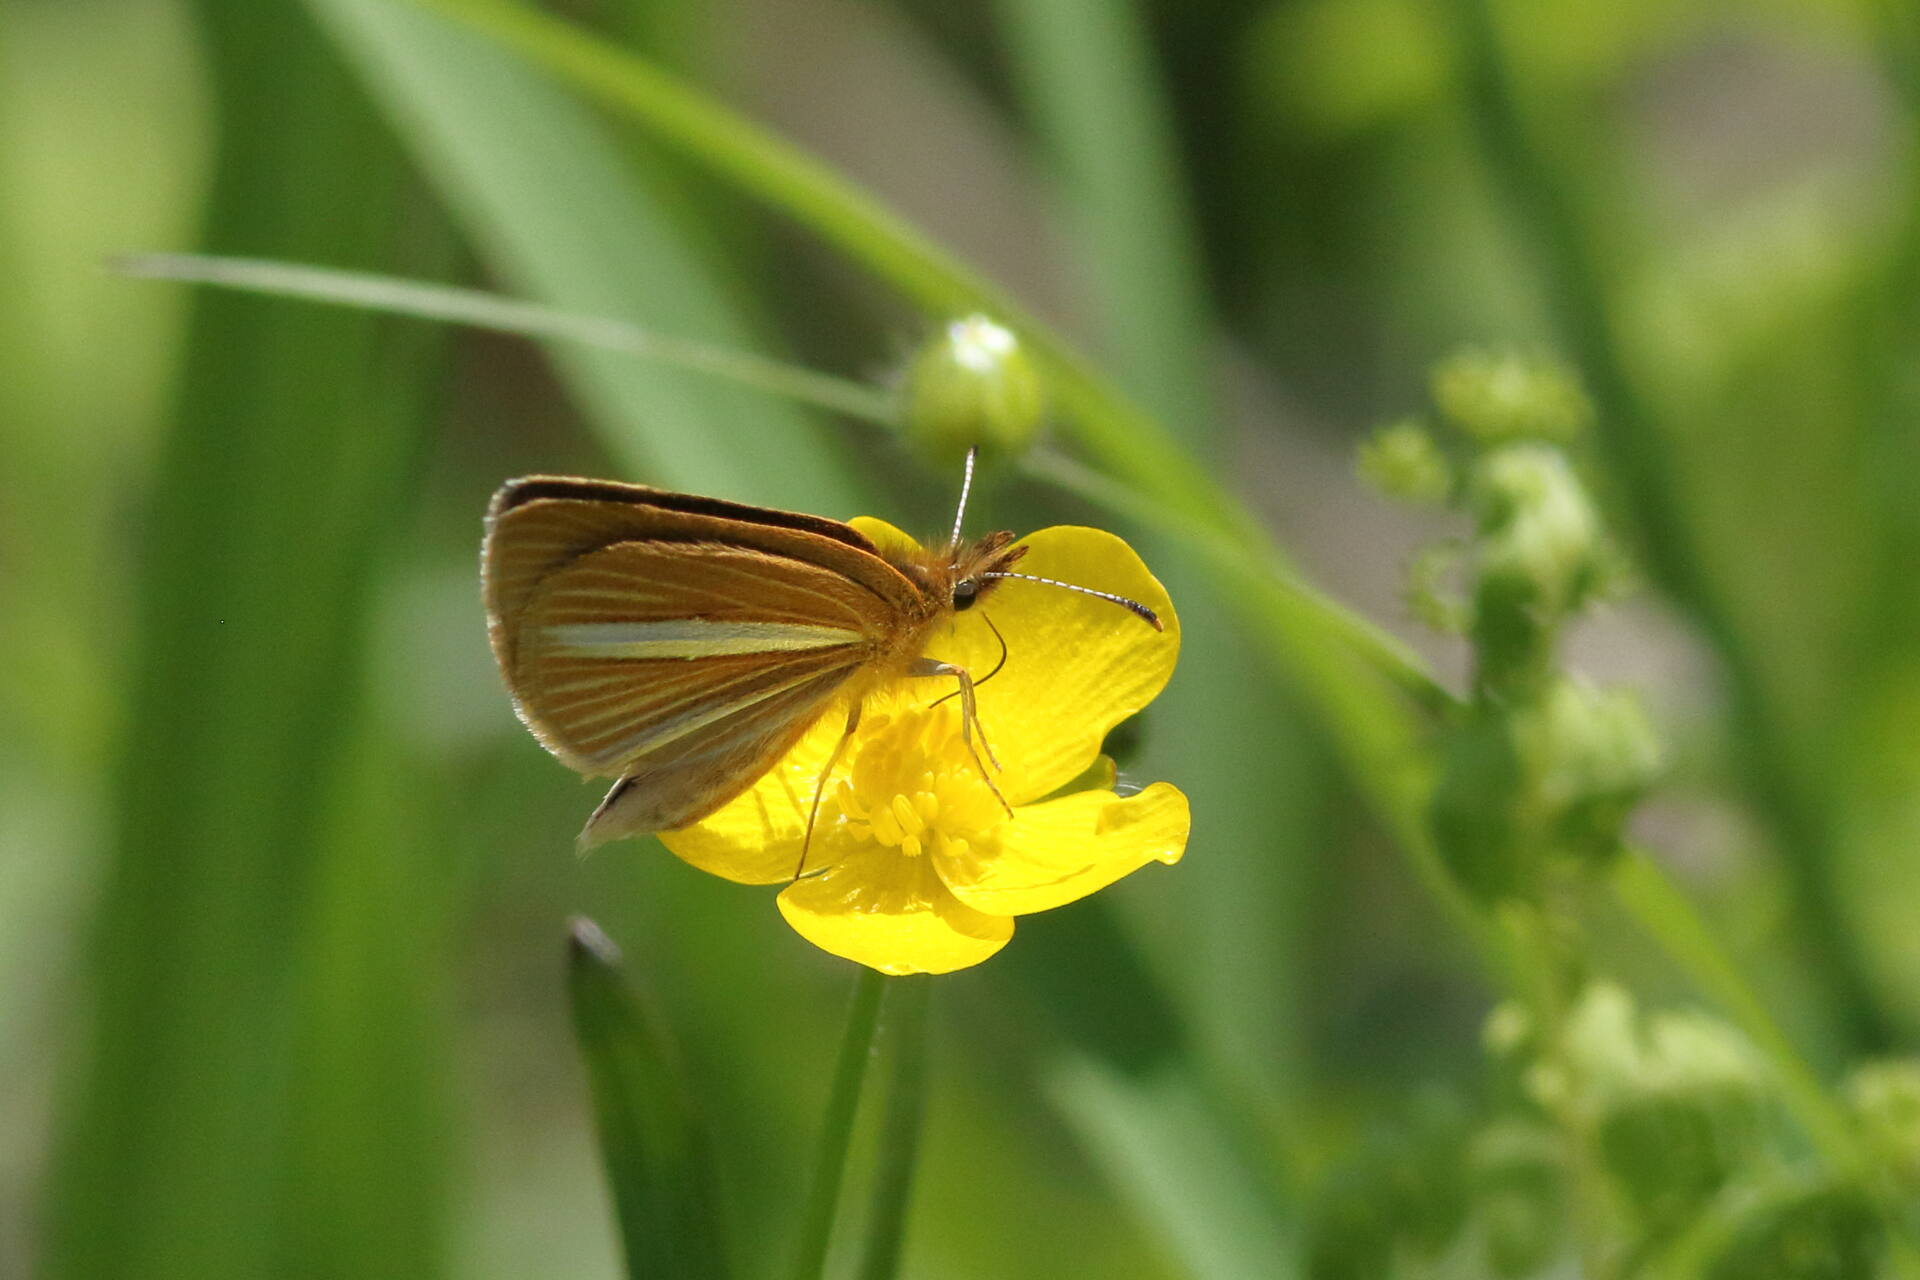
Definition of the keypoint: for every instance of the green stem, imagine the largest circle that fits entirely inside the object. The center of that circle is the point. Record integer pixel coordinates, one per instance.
(906, 1037)
(1549, 933)
(489, 311)
(836, 1128)
(1637, 452)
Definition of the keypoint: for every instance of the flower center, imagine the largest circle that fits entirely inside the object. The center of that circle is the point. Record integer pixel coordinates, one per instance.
(914, 786)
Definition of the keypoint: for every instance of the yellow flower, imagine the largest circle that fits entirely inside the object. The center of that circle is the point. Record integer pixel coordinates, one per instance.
(920, 869)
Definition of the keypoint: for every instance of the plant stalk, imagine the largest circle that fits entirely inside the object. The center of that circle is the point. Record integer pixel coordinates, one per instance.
(836, 1128)
(905, 1034)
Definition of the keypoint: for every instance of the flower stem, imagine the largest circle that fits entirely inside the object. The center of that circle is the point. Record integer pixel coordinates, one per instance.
(906, 1040)
(836, 1129)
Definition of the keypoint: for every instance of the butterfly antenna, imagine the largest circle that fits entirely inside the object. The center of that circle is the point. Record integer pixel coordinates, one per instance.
(959, 516)
(1133, 607)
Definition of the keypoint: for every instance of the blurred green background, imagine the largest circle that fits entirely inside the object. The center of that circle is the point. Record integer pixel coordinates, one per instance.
(283, 883)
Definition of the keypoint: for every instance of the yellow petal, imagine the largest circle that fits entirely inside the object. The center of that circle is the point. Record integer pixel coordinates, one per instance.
(1058, 851)
(755, 838)
(1076, 665)
(890, 540)
(893, 914)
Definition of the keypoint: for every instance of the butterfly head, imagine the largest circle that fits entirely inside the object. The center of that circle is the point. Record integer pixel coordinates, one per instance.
(974, 568)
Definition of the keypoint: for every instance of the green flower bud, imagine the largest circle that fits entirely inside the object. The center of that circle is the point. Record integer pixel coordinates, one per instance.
(1813, 1231)
(1590, 755)
(1555, 773)
(1537, 560)
(1496, 398)
(972, 385)
(1886, 1098)
(1507, 1036)
(1402, 461)
(1678, 1105)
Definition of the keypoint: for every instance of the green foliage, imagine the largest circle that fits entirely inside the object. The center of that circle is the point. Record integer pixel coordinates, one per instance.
(1886, 1098)
(1403, 461)
(1821, 1231)
(283, 879)
(1519, 1195)
(1402, 1197)
(1497, 398)
(1539, 765)
(655, 1147)
(1678, 1102)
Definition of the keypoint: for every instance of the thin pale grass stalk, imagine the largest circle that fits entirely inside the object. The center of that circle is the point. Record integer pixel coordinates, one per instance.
(481, 310)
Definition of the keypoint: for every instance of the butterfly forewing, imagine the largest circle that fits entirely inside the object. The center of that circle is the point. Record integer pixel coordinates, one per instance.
(679, 643)
(628, 649)
(537, 525)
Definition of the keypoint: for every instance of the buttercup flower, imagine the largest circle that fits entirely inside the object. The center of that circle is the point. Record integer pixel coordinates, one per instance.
(914, 866)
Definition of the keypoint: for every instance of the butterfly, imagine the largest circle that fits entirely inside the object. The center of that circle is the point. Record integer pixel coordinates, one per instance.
(683, 645)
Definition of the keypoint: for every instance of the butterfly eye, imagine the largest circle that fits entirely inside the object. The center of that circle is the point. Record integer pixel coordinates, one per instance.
(964, 593)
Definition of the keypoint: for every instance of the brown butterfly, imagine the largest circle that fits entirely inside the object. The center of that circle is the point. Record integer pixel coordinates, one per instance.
(684, 645)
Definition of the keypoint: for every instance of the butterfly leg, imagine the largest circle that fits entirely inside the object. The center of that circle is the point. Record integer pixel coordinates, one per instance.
(800, 871)
(969, 720)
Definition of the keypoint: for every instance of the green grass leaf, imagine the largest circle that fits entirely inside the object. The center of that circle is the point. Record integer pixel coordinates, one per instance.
(560, 214)
(656, 1150)
(191, 1144)
(1172, 1160)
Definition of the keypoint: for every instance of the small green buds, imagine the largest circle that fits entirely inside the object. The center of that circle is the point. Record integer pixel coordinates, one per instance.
(1678, 1102)
(972, 385)
(1497, 398)
(1539, 765)
(1554, 773)
(1591, 754)
(1885, 1096)
(1404, 461)
(1538, 557)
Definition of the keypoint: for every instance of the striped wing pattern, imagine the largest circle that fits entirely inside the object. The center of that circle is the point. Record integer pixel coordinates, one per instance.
(683, 651)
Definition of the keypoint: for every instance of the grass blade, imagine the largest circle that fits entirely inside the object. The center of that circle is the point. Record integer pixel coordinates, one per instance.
(1158, 1144)
(657, 1153)
(557, 211)
(293, 439)
(1128, 440)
